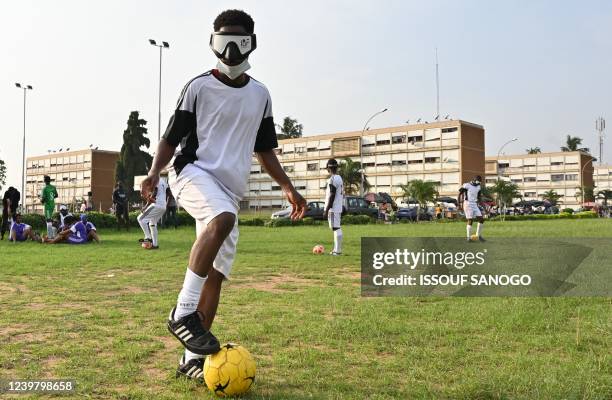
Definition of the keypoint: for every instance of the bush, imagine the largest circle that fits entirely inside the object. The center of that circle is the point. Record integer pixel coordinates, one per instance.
(533, 217)
(357, 220)
(567, 211)
(251, 222)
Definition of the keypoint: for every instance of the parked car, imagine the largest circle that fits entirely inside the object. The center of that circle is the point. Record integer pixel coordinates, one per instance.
(355, 205)
(315, 210)
(410, 214)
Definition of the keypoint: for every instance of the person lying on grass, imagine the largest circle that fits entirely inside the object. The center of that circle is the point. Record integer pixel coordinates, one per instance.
(74, 232)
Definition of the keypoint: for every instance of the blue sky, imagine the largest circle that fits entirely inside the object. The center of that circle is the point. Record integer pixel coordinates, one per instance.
(536, 70)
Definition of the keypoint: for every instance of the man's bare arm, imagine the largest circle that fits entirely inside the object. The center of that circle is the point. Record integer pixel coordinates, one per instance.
(163, 155)
(270, 163)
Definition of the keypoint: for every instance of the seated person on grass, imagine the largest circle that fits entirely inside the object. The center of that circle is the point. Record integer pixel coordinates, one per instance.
(92, 233)
(74, 232)
(20, 232)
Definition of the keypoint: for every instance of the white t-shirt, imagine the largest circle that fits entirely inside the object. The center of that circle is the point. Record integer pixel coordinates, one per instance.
(336, 181)
(160, 199)
(219, 126)
(472, 192)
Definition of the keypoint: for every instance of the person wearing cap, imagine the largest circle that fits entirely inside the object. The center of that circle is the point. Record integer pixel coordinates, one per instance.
(63, 214)
(334, 199)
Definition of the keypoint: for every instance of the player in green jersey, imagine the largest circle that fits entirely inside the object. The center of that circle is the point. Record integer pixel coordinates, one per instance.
(47, 197)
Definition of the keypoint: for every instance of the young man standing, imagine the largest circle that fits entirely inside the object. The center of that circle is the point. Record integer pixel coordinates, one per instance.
(469, 197)
(334, 199)
(153, 213)
(222, 117)
(47, 198)
(120, 203)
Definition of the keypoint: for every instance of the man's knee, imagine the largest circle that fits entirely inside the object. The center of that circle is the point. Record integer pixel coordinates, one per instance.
(221, 226)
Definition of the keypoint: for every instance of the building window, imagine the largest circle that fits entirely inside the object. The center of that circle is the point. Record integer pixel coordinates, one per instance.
(254, 172)
(371, 144)
(556, 163)
(571, 177)
(288, 168)
(530, 194)
(383, 142)
(278, 151)
(530, 179)
(398, 162)
(312, 167)
(445, 130)
(368, 164)
(398, 139)
(557, 178)
(312, 149)
(300, 150)
(432, 159)
(276, 188)
(383, 164)
(517, 180)
(415, 139)
(415, 161)
(299, 188)
(503, 165)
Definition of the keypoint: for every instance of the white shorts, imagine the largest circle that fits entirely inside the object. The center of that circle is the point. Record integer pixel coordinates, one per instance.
(151, 214)
(202, 197)
(471, 210)
(334, 219)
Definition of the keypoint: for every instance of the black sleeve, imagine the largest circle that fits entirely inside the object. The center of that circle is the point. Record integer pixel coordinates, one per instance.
(180, 125)
(266, 136)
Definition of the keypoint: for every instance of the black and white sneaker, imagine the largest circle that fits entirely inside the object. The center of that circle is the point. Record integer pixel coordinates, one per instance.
(192, 369)
(145, 240)
(190, 332)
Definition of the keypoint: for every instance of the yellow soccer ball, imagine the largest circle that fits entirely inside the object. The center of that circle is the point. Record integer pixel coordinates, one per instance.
(474, 238)
(230, 372)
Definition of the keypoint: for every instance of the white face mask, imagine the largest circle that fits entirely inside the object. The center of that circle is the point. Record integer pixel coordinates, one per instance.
(234, 71)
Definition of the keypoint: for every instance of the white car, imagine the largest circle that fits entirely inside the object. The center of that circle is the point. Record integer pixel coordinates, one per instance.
(284, 213)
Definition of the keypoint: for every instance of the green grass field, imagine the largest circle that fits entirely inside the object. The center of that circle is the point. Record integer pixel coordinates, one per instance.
(97, 313)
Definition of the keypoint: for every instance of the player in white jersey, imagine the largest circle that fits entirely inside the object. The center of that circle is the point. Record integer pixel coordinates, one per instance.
(334, 199)
(222, 117)
(152, 213)
(469, 197)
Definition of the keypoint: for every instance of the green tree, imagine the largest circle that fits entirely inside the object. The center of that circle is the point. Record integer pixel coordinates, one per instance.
(533, 150)
(290, 129)
(552, 196)
(421, 191)
(587, 195)
(2, 174)
(505, 192)
(350, 172)
(132, 159)
(605, 195)
(572, 143)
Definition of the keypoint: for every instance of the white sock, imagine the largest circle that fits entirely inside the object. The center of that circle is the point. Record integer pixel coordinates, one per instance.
(145, 227)
(338, 241)
(153, 229)
(189, 297)
(479, 229)
(50, 230)
(469, 231)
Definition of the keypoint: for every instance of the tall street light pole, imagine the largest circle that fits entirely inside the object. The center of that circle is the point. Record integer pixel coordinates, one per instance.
(23, 163)
(361, 150)
(163, 45)
(499, 152)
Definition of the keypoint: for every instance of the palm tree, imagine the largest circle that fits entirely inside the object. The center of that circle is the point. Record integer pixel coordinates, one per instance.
(350, 172)
(290, 129)
(423, 192)
(505, 192)
(533, 150)
(605, 195)
(572, 143)
(586, 195)
(552, 196)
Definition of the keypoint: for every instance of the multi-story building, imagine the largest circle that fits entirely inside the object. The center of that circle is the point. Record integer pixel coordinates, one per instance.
(78, 175)
(445, 152)
(603, 177)
(564, 172)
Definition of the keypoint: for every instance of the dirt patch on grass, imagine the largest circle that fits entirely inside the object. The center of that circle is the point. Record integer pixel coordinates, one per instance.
(6, 331)
(124, 290)
(7, 288)
(49, 364)
(276, 283)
